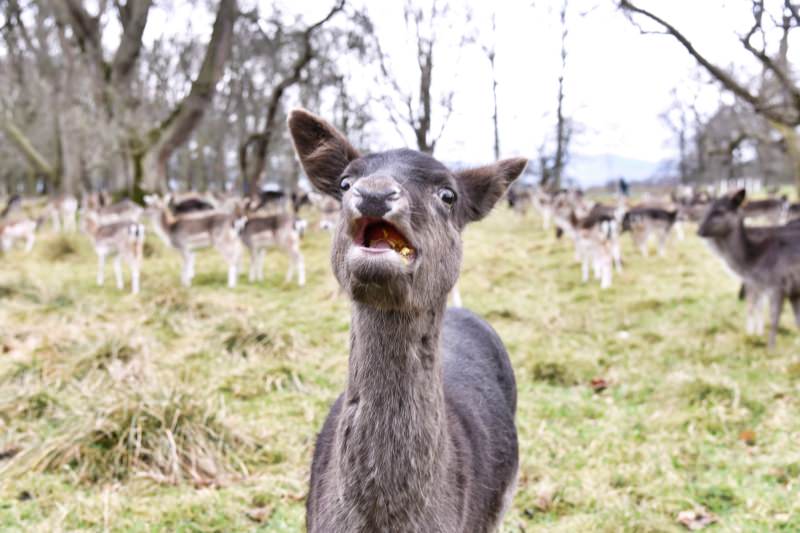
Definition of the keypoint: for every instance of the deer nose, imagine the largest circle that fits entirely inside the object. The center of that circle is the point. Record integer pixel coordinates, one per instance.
(375, 203)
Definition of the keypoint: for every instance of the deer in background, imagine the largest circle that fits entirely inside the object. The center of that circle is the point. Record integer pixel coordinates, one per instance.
(13, 230)
(122, 240)
(63, 209)
(645, 223)
(767, 262)
(199, 230)
(277, 230)
(423, 438)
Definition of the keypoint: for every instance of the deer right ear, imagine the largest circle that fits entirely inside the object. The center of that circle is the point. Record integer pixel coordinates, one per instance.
(322, 150)
(738, 198)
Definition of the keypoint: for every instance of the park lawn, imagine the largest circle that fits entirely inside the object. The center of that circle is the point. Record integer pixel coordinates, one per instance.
(196, 410)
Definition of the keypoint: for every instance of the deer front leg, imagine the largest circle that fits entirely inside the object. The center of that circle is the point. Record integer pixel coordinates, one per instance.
(101, 266)
(29, 242)
(118, 272)
(135, 266)
(776, 306)
(251, 275)
(796, 309)
(186, 271)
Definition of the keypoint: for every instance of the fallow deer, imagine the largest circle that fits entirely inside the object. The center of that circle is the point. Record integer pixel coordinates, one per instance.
(63, 209)
(645, 223)
(423, 438)
(768, 262)
(187, 234)
(328, 209)
(279, 231)
(122, 240)
(124, 210)
(21, 228)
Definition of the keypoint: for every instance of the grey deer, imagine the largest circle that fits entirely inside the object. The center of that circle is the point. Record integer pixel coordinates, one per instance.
(766, 259)
(423, 438)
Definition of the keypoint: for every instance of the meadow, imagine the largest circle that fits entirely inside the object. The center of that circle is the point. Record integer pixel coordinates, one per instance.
(196, 409)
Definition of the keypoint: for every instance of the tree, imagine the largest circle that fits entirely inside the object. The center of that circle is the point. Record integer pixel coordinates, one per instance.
(419, 110)
(145, 148)
(490, 51)
(257, 144)
(781, 106)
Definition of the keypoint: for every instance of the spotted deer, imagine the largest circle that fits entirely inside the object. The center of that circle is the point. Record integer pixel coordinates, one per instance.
(279, 230)
(187, 234)
(423, 438)
(62, 210)
(18, 229)
(122, 240)
(646, 223)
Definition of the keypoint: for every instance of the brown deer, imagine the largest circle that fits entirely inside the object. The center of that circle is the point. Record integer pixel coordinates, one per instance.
(124, 240)
(423, 438)
(200, 230)
(277, 230)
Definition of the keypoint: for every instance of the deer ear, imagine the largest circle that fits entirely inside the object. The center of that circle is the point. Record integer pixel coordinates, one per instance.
(738, 198)
(322, 150)
(481, 187)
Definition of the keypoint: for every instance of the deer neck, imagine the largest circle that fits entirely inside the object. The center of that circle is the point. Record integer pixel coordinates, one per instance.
(737, 249)
(393, 430)
(163, 224)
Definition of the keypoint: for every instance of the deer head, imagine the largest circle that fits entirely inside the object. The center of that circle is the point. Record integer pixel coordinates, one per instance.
(722, 216)
(397, 244)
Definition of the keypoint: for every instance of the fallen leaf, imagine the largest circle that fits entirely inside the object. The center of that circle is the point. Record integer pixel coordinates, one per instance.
(599, 384)
(697, 519)
(544, 497)
(259, 514)
(748, 437)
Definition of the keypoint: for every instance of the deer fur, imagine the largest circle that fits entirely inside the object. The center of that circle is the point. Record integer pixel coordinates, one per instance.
(423, 438)
(13, 230)
(279, 230)
(768, 262)
(188, 233)
(646, 223)
(123, 240)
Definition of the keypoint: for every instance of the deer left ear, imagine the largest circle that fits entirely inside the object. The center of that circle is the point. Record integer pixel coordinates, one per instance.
(480, 188)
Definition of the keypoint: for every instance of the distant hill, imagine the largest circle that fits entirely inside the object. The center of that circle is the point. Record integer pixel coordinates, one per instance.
(589, 170)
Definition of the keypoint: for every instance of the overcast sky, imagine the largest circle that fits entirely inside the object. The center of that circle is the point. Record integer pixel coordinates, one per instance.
(618, 81)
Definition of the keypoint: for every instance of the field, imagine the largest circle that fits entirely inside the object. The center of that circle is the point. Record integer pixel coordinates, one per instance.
(196, 410)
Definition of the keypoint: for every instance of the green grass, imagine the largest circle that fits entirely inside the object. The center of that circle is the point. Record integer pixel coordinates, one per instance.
(196, 410)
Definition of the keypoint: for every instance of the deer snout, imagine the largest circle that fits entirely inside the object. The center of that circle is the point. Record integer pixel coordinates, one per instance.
(375, 202)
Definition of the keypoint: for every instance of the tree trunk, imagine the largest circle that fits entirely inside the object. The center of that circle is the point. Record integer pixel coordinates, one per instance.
(791, 139)
(163, 140)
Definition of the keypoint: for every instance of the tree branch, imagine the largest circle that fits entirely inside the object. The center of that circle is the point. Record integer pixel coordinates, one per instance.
(723, 77)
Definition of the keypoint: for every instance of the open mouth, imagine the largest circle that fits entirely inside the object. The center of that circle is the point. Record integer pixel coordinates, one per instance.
(379, 235)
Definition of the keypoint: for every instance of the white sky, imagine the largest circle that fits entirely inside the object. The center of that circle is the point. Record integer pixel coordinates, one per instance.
(618, 81)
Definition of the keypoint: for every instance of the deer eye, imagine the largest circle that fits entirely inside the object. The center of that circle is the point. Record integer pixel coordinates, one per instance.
(345, 183)
(447, 195)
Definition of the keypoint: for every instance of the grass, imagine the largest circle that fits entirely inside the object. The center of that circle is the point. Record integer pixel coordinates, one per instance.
(196, 410)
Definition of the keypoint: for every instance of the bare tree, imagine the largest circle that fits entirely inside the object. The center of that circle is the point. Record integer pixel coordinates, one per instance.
(780, 107)
(147, 149)
(257, 144)
(417, 110)
(490, 51)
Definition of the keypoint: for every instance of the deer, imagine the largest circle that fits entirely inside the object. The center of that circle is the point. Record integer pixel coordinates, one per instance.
(423, 437)
(124, 240)
(279, 230)
(124, 210)
(767, 260)
(199, 230)
(13, 230)
(63, 209)
(645, 222)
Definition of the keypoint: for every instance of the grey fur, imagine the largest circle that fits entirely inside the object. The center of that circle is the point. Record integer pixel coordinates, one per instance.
(423, 438)
(767, 260)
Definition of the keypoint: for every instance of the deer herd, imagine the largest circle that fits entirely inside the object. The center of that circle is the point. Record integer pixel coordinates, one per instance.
(423, 437)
